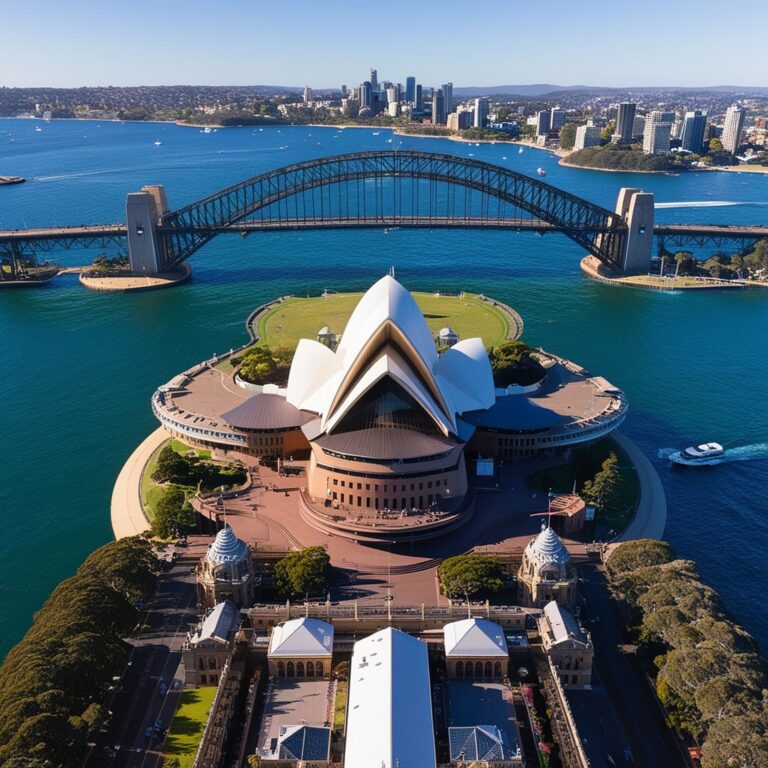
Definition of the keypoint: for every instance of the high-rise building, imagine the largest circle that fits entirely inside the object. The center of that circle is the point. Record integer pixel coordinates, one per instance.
(374, 81)
(638, 125)
(625, 123)
(587, 136)
(448, 97)
(692, 135)
(366, 95)
(438, 107)
(557, 118)
(343, 91)
(658, 127)
(419, 100)
(459, 120)
(542, 122)
(392, 95)
(733, 127)
(410, 89)
(307, 95)
(481, 113)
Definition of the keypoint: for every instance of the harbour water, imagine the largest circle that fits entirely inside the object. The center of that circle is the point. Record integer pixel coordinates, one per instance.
(78, 368)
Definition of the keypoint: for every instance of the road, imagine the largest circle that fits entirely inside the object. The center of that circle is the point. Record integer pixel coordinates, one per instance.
(635, 705)
(136, 703)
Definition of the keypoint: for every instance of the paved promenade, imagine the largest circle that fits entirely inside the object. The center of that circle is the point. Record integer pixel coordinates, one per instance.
(128, 517)
(651, 516)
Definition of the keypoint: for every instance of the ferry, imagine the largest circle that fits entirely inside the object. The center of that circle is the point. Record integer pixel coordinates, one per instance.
(706, 453)
(541, 172)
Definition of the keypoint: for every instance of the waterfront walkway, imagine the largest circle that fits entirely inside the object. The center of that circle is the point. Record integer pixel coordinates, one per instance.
(128, 518)
(651, 516)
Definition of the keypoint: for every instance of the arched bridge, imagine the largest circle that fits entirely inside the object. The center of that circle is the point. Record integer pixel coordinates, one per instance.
(372, 189)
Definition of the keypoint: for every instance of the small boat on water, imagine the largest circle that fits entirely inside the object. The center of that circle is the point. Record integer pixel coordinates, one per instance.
(503, 157)
(39, 129)
(207, 129)
(376, 133)
(158, 143)
(541, 171)
(706, 453)
(520, 151)
(12, 179)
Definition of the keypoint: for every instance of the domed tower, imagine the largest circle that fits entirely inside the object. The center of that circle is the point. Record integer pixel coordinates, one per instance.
(547, 572)
(226, 572)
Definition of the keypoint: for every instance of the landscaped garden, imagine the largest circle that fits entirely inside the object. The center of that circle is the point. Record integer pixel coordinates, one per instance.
(186, 730)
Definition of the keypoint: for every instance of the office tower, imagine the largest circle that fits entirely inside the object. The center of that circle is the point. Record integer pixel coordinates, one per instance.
(448, 97)
(366, 95)
(625, 123)
(587, 136)
(307, 95)
(733, 127)
(542, 122)
(410, 89)
(481, 113)
(392, 95)
(374, 81)
(692, 135)
(557, 119)
(419, 100)
(343, 91)
(438, 107)
(658, 127)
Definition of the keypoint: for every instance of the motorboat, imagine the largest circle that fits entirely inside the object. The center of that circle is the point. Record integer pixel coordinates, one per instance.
(541, 172)
(520, 151)
(158, 143)
(207, 129)
(706, 453)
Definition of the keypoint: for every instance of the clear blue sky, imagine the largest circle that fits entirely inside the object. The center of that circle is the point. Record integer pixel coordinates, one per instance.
(327, 42)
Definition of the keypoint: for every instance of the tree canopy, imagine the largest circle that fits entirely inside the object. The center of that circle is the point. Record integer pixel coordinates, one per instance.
(302, 573)
(466, 575)
(605, 490)
(172, 513)
(512, 363)
(263, 365)
(567, 136)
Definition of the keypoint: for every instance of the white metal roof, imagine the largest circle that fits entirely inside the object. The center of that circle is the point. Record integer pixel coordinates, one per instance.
(389, 717)
(562, 623)
(476, 638)
(302, 637)
(219, 624)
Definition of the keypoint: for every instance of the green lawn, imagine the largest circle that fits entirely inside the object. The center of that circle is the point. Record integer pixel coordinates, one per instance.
(340, 705)
(188, 723)
(296, 318)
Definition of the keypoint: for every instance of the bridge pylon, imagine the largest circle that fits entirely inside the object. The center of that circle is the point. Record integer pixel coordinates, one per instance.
(142, 213)
(636, 210)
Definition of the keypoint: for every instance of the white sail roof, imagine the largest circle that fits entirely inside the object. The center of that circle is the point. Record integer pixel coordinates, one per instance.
(302, 637)
(476, 638)
(387, 335)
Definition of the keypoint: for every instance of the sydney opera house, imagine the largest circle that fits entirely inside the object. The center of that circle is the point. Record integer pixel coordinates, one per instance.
(390, 432)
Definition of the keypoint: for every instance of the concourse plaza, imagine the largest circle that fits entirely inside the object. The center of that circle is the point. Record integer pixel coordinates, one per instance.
(386, 440)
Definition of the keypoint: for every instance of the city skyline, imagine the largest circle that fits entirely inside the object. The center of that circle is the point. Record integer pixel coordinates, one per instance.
(188, 43)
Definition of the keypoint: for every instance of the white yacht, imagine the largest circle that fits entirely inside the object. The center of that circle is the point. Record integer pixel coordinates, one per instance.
(706, 453)
(541, 172)
(158, 143)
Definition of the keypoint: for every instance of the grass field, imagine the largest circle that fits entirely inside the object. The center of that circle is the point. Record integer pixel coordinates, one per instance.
(297, 318)
(187, 727)
(340, 705)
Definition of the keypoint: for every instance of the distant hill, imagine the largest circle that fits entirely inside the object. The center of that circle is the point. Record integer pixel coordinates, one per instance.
(543, 89)
(536, 89)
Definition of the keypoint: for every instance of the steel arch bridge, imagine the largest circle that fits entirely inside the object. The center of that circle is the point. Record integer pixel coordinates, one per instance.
(391, 189)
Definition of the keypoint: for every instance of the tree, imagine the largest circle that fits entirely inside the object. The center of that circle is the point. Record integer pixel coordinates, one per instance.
(466, 575)
(639, 553)
(636, 582)
(171, 467)
(512, 363)
(722, 697)
(685, 264)
(302, 573)
(694, 599)
(171, 512)
(127, 565)
(607, 132)
(567, 136)
(604, 490)
(737, 742)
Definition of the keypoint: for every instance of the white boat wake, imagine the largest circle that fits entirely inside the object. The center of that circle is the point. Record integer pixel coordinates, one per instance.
(708, 203)
(740, 453)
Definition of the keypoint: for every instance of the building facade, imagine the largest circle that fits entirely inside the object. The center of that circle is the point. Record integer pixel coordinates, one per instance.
(301, 649)
(625, 122)
(692, 132)
(567, 645)
(656, 137)
(733, 127)
(475, 649)
(481, 113)
(208, 648)
(587, 136)
(226, 572)
(546, 572)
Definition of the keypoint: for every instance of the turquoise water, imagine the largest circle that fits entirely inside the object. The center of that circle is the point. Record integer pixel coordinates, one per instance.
(78, 368)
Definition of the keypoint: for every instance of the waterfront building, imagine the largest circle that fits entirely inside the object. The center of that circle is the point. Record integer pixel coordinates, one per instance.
(393, 109)
(419, 102)
(567, 645)
(542, 122)
(656, 137)
(307, 95)
(475, 649)
(557, 119)
(587, 136)
(366, 95)
(410, 89)
(374, 81)
(692, 133)
(301, 648)
(481, 113)
(625, 122)
(438, 107)
(392, 94)
(459, 120)
(389, 712)
(638, 127)
(546, 572)
(208, 648)
(226, 572)
(447, 98)
(733, 127)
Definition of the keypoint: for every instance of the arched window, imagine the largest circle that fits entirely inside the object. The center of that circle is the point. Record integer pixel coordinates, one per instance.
(211, 662)
(319, 669)
(478, 669)
(310, 669)
(488, 669)
(289, 669)
(280, 669)
(459, 669)
(300, 669)
(497, 669)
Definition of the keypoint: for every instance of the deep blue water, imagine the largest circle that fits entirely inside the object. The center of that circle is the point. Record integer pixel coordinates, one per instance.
(78, 367)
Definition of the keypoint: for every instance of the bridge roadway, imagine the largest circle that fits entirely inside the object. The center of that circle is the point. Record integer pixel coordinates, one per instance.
(108, 231)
